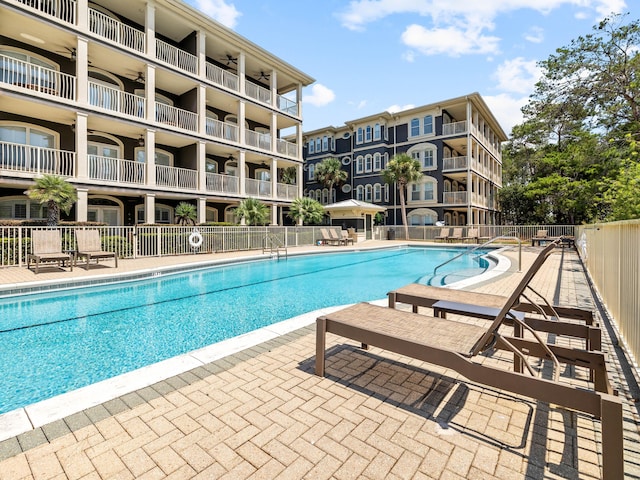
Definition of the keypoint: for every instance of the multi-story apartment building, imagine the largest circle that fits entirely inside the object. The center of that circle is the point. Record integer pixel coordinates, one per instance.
(141, 105)
(456, 141)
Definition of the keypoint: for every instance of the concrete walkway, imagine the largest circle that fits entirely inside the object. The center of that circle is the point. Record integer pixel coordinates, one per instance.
(262, 413)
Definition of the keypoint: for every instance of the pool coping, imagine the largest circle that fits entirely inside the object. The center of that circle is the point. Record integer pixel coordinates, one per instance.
(36, 415)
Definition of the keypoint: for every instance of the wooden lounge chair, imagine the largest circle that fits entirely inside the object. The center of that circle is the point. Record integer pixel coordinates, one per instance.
(452, 344)
(46, 246)
(346, 238)
(456, 235)
(90, 247)
(542, 236)
(326, 238)
(472, 234)
(444, 234)
(336, 237)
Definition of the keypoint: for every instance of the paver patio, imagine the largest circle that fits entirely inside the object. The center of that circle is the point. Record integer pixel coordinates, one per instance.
(262, 413)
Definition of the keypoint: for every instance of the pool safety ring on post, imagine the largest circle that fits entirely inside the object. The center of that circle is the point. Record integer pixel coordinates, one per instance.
(195, 239)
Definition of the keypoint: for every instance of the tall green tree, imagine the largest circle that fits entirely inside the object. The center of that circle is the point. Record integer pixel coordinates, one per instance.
(253, 211)
(307, 210)
(329, 172)
(57, 193)
(288, 175)
(402, 170)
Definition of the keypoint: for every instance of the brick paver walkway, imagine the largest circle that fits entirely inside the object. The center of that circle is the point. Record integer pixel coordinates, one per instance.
(262, 413)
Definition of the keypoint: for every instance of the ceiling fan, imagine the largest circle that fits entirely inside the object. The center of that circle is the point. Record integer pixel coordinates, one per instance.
(231, 59)
(263, 76)
(71, 51)
(139, 78)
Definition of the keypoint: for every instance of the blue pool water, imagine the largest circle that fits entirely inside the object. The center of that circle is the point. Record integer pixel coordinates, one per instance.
(55, 342)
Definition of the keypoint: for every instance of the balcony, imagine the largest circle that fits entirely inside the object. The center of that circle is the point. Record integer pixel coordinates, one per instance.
(287, 148)
(221, 77)
(257, 188)
(258, 139)
(287, 105)
(22, 158)
(218, 183)
(36, 78)
(116, 170)
(221, 130)
(456, 128)
(455, 163)
(454, 198)
(257, 92)
(107, 27)
(176, 57)
(115, 100)
(176, 178)
(176, 117)
(64, 10)
(286, 191)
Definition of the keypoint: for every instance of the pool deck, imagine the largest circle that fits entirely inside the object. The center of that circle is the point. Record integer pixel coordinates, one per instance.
(255, 409)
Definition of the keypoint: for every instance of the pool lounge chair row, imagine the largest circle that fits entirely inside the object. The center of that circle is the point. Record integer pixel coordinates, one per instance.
(454, 344)
(332, 237)
(472, 234)
(46, 247)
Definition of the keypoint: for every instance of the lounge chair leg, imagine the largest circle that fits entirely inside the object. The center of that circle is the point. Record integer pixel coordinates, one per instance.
(612, 437)
(321, 333)
(517, 361)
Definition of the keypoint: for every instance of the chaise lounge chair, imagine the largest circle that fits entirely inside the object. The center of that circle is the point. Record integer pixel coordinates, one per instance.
(336, 237)
(453, 344)
(46, 246)
(456, 235)
(542, 236)
(444, 234)
(89, 247)
(346, 238)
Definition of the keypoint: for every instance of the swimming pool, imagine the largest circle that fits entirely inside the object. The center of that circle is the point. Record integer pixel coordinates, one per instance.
(59, 341)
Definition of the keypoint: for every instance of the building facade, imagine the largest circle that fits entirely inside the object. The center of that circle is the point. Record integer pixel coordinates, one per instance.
(457, 142)
(142, 105)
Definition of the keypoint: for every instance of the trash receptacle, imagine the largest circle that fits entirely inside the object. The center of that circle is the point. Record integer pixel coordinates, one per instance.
(391, 234)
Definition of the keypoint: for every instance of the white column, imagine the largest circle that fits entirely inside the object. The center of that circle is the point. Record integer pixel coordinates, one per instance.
(150, 92)
(82, 12)
(150, 208)
(150, 29)
(82, 169)
(241, 173)
(274, 214)
(150, 156)
(300, 179)
(82, 204)
(274, 132)
(241, 116)
(82, 70)
(241, 73)
(202, 109)
(273, 83)
(273, 173)
(201, 52)
(202, 165)
(202, 209)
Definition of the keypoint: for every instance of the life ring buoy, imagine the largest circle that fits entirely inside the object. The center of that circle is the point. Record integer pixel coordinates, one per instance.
(195, 239)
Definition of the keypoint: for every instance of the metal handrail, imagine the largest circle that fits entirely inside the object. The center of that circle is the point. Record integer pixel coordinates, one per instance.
(273, 244)
(467, 252)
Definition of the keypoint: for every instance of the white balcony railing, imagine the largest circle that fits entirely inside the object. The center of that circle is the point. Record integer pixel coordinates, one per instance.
(17, 157)
(36, 78)
(116, 170)
(287, 148)
(218, 183)
(178, 178)
(176, 117)
(218, 129)
(64, 10)
(176, 57)
(454, 163)
(456, 128)
(455, 198)
(116, 31)
(287, 105)
(258, 139)
(257, 92)
(222, 77)
(115, 100)
(259, 188)
(286, 191)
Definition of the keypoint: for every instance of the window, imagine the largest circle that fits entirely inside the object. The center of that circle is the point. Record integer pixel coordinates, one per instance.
(428, 191)
(311, 146)
(359, 164)
(210, 165)
(163, 214)
(422, 216)
(162, 157)
(21, 209)
(325, 196)
(360, 193)
(311, 172)
(14, 153)
(386, 193)
(376, 131)
(427, 160)
(425, 153)
(377, 192)
(428, 125)
(367, 136)
(325, 143)
(368, 193)
(104, 90)
(22, 68)
(377, 161)
(368, 163)
(359, 137)
(318, 145)
(415, 192)
(415, 127)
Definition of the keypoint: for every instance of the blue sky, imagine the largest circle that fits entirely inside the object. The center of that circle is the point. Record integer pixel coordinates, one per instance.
(369, 56)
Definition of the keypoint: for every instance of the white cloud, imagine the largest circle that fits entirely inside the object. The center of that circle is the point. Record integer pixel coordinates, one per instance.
(517, 75)
(320, 95)
(450, 40)
(534, 35)
(506, 109)
(400, 108)
(219, 10)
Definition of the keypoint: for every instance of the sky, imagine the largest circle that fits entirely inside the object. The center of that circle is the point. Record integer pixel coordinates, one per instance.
(371, 56)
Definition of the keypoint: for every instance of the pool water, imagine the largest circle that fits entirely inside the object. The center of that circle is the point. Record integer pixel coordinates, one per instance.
(59, 341)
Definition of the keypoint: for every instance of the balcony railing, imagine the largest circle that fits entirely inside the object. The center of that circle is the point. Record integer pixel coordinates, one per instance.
(17, 157)
(456, 128)
(287, 148)
(176, 117)
(116, 31)
(216, 182)
(222, 77)
(286, 191)
(454, 163)
(178, 178)
(287, 105)
(36, 78)
(176, 57)
(257, 92)
(116, 170)
(455, 198)
(258, 140)
(259, 188)
(116, 100)
(218, 129)
(64, 10)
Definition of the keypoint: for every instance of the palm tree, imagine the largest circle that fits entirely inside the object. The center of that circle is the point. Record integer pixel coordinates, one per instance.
(57, 193)
(329, 172)
(288, 175)
(402, 170)
(307, 209)
(186, 214)
(253, 211)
